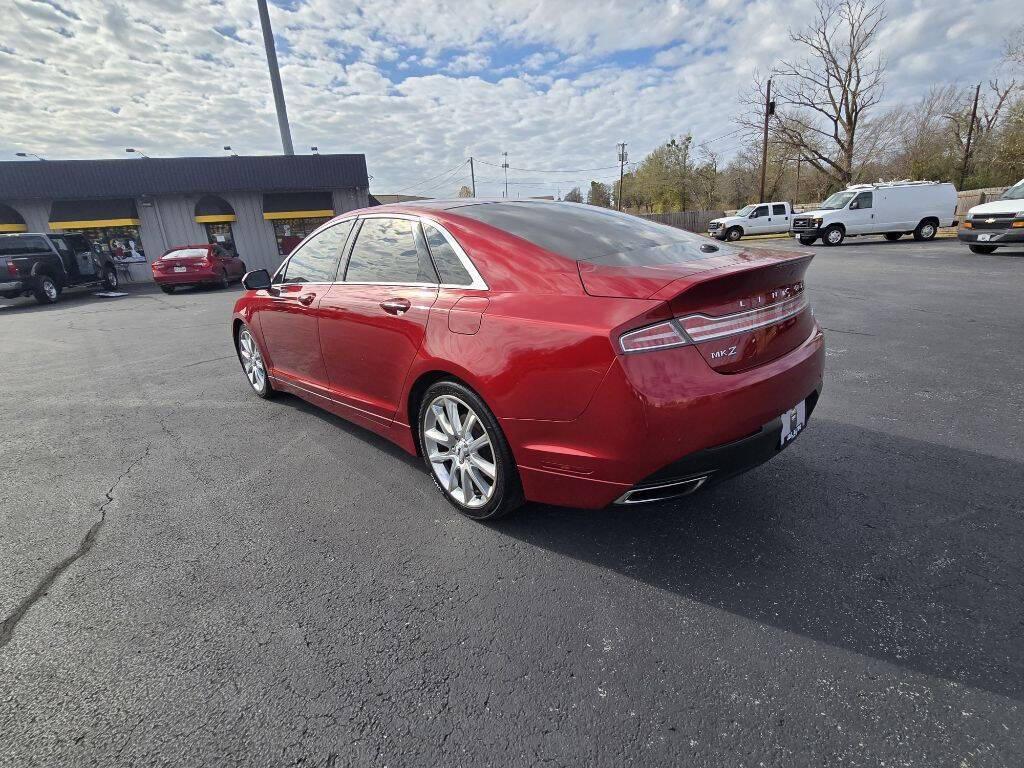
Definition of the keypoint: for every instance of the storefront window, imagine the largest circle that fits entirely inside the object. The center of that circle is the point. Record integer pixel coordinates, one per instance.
(123, 243)
(220, 233)
(291, 232)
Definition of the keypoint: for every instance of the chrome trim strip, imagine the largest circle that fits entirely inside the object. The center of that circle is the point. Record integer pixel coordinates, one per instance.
(691, 486)
(290, 383)
(477, 284)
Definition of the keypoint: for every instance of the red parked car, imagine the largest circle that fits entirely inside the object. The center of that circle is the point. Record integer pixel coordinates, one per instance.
(555, 352)
(204, 264)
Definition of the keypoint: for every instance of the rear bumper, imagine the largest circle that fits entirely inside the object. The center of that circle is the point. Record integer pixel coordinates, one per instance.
(995, 236)
(662, 417)
(13, 285)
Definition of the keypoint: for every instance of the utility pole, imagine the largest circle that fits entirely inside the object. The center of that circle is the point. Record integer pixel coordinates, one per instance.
(505, 166)
(472, 176)
(275, 79)
(796, 196)
(970, 135)
(622, 165)
(769, 110)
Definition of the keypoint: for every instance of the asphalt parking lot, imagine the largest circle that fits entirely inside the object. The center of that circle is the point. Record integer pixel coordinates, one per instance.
(193, 576)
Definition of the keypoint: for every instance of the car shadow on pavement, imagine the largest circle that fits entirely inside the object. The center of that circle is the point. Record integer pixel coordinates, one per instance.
(897, 549)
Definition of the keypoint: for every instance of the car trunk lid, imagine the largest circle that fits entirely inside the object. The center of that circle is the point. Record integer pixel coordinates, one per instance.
(740, 309)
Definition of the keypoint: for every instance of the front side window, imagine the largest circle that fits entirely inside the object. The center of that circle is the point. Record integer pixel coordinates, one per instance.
(762, 210)
(386, 251)
(863, 200)
(838, 200)
(316, 260)
(448, 264)
(778, 210)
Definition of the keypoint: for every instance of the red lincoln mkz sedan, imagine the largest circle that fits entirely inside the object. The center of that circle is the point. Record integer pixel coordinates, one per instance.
(528, 350)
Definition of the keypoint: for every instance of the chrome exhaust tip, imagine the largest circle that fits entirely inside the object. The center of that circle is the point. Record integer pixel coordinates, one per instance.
(662, 491)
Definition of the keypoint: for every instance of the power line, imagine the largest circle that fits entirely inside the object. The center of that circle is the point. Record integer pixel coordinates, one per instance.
(549, 170)
(431, 178)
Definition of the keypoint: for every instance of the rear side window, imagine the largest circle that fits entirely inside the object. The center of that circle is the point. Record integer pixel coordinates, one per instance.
(14, 245)
(387, 251)
(587, 233)
(778, 210)
(448, 264)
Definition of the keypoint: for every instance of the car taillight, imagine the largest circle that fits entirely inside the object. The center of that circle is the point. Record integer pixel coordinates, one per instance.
(702, 328)
(657, 336)
(695, 329)
(12, 268)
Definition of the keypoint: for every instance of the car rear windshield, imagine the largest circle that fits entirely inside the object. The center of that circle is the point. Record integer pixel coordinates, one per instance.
(588, 233)
(14, 245)
(186, 253)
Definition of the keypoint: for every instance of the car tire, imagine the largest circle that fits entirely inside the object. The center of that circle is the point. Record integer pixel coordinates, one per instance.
(251, 358)
(833, 235)
(486, 474)
(167, 289)
(807, 239)
(892, 237)
(110, 282)
(984, 249)
(45, 289)
(732, 234)
(926, 230)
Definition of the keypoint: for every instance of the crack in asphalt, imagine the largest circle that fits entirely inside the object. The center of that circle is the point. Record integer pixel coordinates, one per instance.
(9, 624)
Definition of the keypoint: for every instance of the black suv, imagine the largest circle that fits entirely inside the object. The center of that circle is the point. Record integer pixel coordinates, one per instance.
(44, 265)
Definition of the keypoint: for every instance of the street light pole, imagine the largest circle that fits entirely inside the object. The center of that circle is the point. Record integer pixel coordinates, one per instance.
(275, 79)
(505, 166)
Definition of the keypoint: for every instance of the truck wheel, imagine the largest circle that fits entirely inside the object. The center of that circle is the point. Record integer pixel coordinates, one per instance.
(925, 230)
(892, 237)
(834, 235)
(807, 239)
(110, 279)
(45, 289)
(982, 248)
(732, 234)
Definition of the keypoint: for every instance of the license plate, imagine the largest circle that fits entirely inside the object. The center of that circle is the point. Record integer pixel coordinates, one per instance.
(793, 422)
(181, 269)
(984, 238)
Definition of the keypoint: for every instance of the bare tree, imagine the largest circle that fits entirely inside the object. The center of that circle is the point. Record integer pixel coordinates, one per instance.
(465, 191)
(825, 97)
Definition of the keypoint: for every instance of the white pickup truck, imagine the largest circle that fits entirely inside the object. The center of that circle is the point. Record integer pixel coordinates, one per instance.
(755, 219)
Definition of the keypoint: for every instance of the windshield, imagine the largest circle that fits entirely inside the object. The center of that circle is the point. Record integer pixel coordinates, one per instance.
(745, 210)
(838, 200)
(1016, 192)
(186, 253)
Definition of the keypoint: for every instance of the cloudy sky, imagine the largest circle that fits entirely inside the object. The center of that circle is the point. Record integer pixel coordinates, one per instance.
(420, 86)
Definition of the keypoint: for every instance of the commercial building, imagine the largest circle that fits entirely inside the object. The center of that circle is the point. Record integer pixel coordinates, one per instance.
(260, 207)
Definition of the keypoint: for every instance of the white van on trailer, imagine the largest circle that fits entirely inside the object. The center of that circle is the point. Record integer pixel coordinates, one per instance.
(893, 209)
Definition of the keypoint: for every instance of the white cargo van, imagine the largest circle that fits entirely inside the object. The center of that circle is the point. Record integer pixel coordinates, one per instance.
(892, 209)
(998, 223)
(757, 219)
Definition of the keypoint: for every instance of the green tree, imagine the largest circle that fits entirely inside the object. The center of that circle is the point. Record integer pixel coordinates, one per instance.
(599, 194)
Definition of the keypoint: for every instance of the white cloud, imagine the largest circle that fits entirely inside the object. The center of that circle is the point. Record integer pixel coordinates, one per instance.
(556, 83)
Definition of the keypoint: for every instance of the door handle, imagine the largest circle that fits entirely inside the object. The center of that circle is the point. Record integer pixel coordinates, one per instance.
(396, 306)
(306, 299)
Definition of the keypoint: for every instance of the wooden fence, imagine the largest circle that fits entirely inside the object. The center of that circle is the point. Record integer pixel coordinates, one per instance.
(969, 198)
(693, 221)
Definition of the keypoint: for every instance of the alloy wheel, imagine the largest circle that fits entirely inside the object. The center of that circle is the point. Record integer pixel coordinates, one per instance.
(252, 361)
(460, 451)
(50, 289)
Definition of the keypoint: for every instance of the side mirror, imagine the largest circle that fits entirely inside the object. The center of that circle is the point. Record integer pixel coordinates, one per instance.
(854, 205)
(257, 280)
(753, 215)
